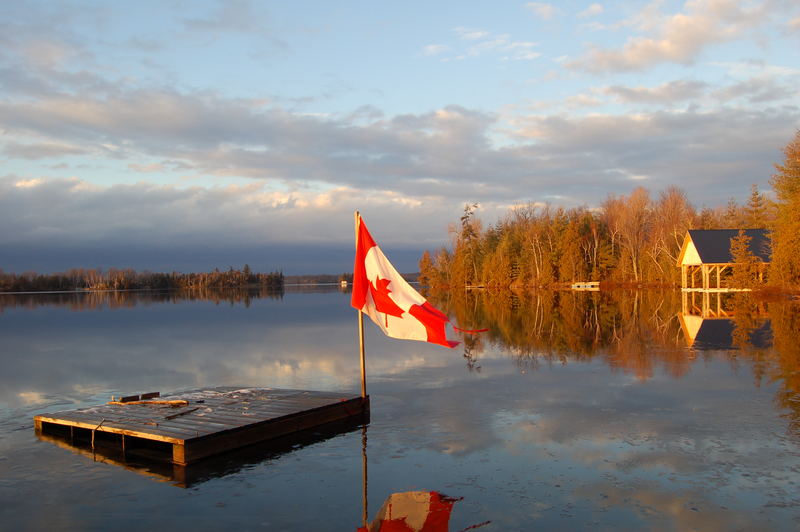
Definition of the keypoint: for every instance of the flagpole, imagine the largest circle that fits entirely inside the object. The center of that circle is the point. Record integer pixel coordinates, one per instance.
(357, 218)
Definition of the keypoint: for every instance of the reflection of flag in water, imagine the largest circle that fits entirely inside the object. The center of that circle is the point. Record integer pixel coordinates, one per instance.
(382, 293)
(413, 511)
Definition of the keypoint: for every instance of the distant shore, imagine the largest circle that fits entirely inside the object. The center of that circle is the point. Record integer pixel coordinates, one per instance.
(81, 279)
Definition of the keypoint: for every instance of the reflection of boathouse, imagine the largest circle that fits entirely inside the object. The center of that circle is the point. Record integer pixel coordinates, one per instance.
(707, 252)
(708, 321)
(720, 333)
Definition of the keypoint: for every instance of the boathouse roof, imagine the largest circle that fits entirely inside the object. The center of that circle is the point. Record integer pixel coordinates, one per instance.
(713, 246)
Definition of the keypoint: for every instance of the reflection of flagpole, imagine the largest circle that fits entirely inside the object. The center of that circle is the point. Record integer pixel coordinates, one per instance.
(357, 217)
(365, 516)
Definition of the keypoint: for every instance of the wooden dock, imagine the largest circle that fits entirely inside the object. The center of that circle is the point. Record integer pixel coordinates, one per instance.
(157, 465)
(587, 286)
(197, 424)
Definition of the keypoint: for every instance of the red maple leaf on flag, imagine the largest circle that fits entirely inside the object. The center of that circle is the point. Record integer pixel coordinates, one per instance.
(384, 303)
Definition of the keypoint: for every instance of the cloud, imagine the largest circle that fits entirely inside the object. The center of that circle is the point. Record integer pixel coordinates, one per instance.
(28, 183)
(762, 89)
(521, 51)
(470, 34)
(413, 172)
(584, 100)
(27, 82)
(16, 150)
(46, 53)
(435, 49)
(230, 137)
(667, 93)
(543, 10)
(452, 152)
(54, 223)
(601, 152)
(147, 168)
(756, 68)
(678, 509)
(591, 11)
(230, 16)
(483, 43)
(677, 38)
(237, 17)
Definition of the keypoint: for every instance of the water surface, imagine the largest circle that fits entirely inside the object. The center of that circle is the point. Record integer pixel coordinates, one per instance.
(604, 411)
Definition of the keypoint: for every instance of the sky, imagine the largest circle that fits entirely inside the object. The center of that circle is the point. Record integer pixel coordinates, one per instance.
(187, 135)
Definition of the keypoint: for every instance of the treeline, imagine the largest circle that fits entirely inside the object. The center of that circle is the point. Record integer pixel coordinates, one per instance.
(129, 279)
(317, 278)
(628, 239)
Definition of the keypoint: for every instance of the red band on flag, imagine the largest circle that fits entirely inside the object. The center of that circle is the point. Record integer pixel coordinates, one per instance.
(434, 322)
(360, 282)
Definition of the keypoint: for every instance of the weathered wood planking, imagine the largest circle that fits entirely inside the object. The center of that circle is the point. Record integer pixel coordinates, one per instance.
(212, 420)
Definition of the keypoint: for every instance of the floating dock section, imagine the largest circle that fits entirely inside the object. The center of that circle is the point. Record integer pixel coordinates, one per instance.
(197, 424)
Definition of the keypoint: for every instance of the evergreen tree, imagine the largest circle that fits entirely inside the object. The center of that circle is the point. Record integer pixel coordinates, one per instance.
(426, 267)
(707, 219)
(467, 256)
(731, 217)
(746, 265)
(756, 212)
(786, 231)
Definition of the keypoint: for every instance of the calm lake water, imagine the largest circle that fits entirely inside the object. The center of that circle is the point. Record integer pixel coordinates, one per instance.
(575, 411)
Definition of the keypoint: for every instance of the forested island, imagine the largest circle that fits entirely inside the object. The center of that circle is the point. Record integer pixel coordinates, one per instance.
(128, 279)
(628, 240)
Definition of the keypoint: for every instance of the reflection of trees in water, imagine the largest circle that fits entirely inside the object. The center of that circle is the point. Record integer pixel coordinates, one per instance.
(775, 359)
(558, 326)
(785, 359)
(126, 299)
(748, 316)
(473, 346)
(632, 331)
(646, 319)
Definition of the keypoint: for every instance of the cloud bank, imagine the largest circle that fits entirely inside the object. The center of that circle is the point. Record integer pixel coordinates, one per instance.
(678, 38)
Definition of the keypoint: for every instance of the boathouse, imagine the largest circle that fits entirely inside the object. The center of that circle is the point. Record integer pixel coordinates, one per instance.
(706, 261)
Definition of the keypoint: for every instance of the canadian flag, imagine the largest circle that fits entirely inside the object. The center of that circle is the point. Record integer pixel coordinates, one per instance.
(382, 294)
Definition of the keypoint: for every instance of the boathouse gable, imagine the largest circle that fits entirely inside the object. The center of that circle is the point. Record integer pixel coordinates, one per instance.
(689, 254)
